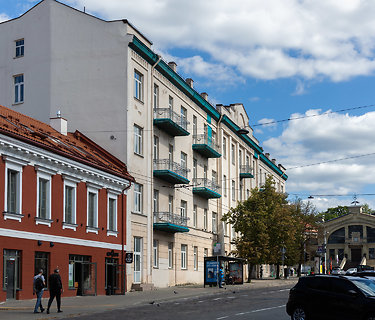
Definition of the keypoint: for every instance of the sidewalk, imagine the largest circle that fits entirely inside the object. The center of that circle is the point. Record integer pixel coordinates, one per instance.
(75, 306)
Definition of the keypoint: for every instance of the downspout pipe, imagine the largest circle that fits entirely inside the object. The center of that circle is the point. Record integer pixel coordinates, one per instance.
(122, 229)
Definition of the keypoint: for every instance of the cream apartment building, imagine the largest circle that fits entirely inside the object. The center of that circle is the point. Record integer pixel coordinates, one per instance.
(190, 162)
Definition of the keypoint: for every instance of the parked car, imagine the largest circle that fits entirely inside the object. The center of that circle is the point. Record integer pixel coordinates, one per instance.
(337, 270)
(351, 271)
(364, 268)
(332, 297)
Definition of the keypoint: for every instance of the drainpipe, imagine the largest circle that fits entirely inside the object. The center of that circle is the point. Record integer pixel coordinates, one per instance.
(122, 229)
(150, 231)
(219, 165)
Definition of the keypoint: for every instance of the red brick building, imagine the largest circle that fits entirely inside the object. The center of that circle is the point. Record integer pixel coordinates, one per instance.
(64, 205)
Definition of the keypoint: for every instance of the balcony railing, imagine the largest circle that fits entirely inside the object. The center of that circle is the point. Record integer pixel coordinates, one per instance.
(206, 146)
(170, 222)
(171, 122)
(246, 171)
(170, 171)
(206, 188)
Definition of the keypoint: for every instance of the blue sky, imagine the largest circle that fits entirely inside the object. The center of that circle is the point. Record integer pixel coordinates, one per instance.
(281, 59)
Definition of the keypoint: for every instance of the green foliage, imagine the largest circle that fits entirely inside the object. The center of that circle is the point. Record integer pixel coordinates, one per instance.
(266, 223)
(333, 213)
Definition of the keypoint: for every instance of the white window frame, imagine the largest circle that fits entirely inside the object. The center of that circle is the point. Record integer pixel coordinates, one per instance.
(205, 219)
(20, 48)
(156, 96)
(233, 154)
(195, 168)
(225, 185)
(156, 201)
(95, 191)
(205, 252)
(195, 258)
(156, 148)
(138, 85)
(170, 102)
(184, 259)
(72, 183)
(195, 215)
(214, 222)
(170, 204)
(14, 165)
(183, 209)
(138, 198)
(195, 124)
(138, 140)
(183, 160)
(233, 190)
(19, 88)
(224, 147)
(114, 231)
(170, 255)
(155, 253)
(45, 174)
(183, 115)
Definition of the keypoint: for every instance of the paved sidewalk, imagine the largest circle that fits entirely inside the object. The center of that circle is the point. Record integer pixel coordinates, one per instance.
(75, 306)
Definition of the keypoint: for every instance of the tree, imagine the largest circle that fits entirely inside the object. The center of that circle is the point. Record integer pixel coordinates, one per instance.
(366, 209)
(332, 213)
(264, 226)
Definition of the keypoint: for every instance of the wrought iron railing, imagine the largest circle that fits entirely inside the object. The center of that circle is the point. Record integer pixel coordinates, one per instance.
(246, 169)
(167, 113)
(166, 164)
(206, 183)
(160, 217)
(205, 139)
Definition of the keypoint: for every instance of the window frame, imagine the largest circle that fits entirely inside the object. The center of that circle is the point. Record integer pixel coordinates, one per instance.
(184, 260)
(138, 85)
(138, 194)
(224, 151)
(170, 255)
(195, 216)
(20, 48)
(94, 191)
(195, 258)
(138, 140)
(155, 254)
(214, 222)
(205, 219)
(233, 190)
(19, 88)
(156, 96)
(71, 183)
(111, 196)
(47, 177)
(156, 148)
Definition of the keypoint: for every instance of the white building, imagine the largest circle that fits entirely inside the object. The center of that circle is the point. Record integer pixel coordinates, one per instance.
(190, 163)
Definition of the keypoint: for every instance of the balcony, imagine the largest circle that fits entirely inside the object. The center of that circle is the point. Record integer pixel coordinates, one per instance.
(206, 188)
(171, 122)
(206, 146)
(170, 222)
(246, 172)
(170, 171)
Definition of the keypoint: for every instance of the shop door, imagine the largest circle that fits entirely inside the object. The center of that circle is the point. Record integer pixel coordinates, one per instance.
(115, 278)
(356, 255)
(10, 278)
(137, 260)
(89, 278)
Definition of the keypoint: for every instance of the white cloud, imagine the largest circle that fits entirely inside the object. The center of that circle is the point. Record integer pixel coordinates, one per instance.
(263, 39)
(4, 17)
(320, 139)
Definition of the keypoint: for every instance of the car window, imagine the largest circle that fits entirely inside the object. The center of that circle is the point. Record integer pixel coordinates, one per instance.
(342, 286)
(319, 283)
(366, 286)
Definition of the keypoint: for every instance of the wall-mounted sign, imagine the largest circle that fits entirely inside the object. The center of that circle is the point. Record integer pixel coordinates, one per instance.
(129, 257)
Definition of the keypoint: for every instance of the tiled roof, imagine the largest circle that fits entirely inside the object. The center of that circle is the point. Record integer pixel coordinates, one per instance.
(75, 145)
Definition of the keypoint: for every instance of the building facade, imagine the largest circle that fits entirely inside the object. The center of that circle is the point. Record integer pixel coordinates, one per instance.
(64, 206)
(190, 161)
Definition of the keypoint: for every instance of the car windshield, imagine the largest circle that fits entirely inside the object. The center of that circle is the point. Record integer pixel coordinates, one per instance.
(366, 286)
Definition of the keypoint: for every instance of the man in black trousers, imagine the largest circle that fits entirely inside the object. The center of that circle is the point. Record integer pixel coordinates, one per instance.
(55, 289)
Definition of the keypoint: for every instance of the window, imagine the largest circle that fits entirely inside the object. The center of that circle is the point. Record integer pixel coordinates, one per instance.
(20, 48)
(156, 96)
(112, 215)
(205, 220)
(195, 215)
(156, 148)
(18, 89)
(241, 190)
(205, 252)
(70, 201)
(195, 130)
(138, 140)
(156, 200)
(170, 102)
(183, 116)
(195, 258)
(44, 197)
(205, 172)
(233, 190)
(14, 258)
(184, 256)
(239, 158)
(13, 191)
(41, 262)
(170, 255)
(224, 147)
(183, 209)
(138, 198)
(170, 204)
(195, 164)
(214, 222)
(92, 210)
(183, 160)
(156, 254)
(13, 188)
(247, 193)
(371, 253)
(138, 252)
(170, 153)
(233, 154)
(214, 177)
(138, 85)
(225, 185)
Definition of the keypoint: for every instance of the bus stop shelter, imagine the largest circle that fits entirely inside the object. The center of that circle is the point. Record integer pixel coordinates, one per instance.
(232, 267)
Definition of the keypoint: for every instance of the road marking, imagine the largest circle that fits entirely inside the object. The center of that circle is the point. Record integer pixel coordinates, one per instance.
(222, 318)
(241, 313)
(200, 301)
(216, 299)
(244, 295)
(231, 297)
(253, 311)
(284, 290)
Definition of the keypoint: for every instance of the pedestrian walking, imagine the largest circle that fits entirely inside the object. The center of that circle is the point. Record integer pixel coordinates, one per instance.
(38, 289)
(55, 290)
(221, 277)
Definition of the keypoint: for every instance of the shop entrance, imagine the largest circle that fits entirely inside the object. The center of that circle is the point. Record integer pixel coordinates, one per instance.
(114, 277)
(11, 273)
(82, 275)
(356, 255)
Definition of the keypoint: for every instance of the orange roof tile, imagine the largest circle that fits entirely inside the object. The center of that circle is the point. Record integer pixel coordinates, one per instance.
(75, 145)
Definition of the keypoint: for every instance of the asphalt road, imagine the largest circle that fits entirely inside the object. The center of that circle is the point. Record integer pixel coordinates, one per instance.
(268, 303)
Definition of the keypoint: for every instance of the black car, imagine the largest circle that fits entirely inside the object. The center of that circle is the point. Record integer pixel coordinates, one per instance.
(332, 297)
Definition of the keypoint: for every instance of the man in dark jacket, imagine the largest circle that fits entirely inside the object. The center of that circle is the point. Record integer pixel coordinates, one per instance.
(55, 289)
(38, 288)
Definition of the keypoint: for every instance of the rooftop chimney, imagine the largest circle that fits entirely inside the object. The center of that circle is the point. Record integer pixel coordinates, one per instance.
(274, 161)
(204, 95)
(190, 82)
(173, 65)
(59, 124)
(267, 155)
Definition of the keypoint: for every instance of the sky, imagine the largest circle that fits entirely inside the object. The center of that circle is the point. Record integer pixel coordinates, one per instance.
(313, 60)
